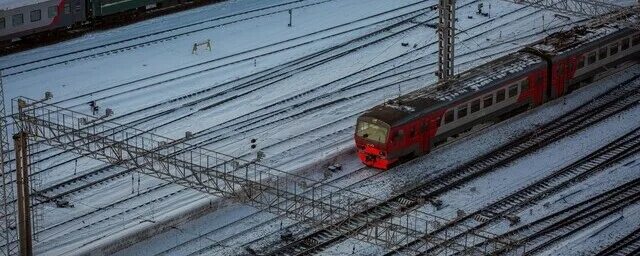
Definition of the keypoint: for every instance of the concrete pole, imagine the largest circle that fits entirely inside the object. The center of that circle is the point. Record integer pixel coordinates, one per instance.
(24, 204)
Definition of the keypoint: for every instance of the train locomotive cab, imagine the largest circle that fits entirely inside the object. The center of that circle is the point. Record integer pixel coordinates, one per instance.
(371, 142)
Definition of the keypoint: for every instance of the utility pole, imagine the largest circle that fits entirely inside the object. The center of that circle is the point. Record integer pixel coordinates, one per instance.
(446, 36)
(24, 204)
(8, 208)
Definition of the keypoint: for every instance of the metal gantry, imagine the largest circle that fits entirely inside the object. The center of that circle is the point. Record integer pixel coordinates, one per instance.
(310, 201)
(446, 39)
(8, 232)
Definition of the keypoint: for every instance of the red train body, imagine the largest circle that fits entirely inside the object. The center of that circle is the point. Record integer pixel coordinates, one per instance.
(415, 123)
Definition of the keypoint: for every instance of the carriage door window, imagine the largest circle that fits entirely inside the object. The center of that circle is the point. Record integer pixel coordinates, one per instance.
(500, 95)
(488, 101)
(592, 58)
(581, 63)
(602, 54)
(448, 117)
(53, 11)
(625, 44)
(462, 111)
(475, 106)
(636, 40)
(513, 90)
(17, 19)
(613, 49)
(67, 8)
(2, 23)
(36, 15)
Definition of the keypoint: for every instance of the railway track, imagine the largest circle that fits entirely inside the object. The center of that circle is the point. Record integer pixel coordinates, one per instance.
(278, 8)
(197, 97)
(619, 99)
(539, 235)
(508, 207)
(628, 245)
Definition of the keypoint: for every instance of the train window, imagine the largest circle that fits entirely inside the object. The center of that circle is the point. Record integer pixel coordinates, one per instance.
(52, 11)
(462, 111)
(581, 63)
(513, 90)
(625, 44)
(448, 117)
(17, 19)
(602, 53)
(592, 58)
(524, 86)
(487, 101)
(500, 95)
(475, 106)
(36, 15)
(2, 23)
(636, 40)
(613, 49)
(67, 8)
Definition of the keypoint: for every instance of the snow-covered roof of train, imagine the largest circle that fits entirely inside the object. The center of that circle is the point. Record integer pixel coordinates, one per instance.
(470, 81)
(564, 41)
(12, 4)
(483, 75)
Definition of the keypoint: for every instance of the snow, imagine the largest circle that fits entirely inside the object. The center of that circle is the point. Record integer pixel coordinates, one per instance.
(303, 120)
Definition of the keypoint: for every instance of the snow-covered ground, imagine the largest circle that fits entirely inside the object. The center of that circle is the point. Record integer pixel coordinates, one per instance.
(297, 90)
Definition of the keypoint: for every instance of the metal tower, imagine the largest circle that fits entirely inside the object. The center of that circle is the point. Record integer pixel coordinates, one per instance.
(446, 36)
(8, 232)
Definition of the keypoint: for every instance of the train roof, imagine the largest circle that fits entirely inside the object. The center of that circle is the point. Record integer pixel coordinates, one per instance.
(476, 80)
(566, 41)
(12, 4)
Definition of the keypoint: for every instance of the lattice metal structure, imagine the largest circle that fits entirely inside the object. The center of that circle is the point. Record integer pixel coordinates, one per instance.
(446, 39)
(599, 10)
(8, 232)
(310, 201)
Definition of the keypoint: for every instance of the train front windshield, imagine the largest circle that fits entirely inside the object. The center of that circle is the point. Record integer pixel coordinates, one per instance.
(372, 132)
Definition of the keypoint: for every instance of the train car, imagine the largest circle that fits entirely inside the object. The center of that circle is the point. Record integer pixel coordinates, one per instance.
(582, 55)
(21, 18)
(101, 8)
(415, 123)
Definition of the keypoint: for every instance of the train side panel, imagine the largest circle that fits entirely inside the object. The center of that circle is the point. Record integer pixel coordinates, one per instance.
(101, 8)
(43, 16)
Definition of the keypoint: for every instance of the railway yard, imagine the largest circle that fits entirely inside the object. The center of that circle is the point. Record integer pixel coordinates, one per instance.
(245, 81)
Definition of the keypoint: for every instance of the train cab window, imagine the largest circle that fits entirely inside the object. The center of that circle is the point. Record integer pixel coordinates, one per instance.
(372, 131)
(636, 40)
(524, 86)
(438, 122)
(462, 111)
(602, 53)
(448, 117)
(613, 49)
(513, 90)
(52, 11)
(67, 8)
(487, 101)
(2, 23)
(36, 15)
(500, 96)
(625, 44)
(17, 19)
(592, 58)
(475, 106)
